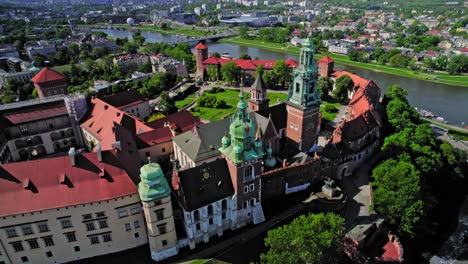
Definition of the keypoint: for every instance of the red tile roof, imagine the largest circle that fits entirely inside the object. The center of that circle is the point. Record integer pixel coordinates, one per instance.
(101, 119)
(359, 82)
(38, 185)
(326, 59)
(47, 75)
(249, 64)
(181, 121)
(201, 46)
(29, 114)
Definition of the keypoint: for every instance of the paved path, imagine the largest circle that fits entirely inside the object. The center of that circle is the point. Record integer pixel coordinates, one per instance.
(357, 189)
(340, 116)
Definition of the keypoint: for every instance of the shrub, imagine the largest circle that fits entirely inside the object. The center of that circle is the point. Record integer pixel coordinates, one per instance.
(330, 108)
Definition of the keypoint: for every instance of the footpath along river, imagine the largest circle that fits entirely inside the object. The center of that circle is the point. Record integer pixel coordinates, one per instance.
(450, 102)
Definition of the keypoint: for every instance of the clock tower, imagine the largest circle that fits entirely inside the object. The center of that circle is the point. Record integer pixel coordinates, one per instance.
(303, 104)
(243, 151)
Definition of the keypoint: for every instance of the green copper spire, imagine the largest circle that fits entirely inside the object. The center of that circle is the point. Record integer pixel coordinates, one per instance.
(242, 145)
(303, 91)
(153, 185)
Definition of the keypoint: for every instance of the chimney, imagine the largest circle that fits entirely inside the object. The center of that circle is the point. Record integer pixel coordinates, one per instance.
(72, 154)
(117, 146)
(99, 152)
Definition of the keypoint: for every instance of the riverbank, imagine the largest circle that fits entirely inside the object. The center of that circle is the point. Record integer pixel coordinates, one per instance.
(189, 32)
(436, 77)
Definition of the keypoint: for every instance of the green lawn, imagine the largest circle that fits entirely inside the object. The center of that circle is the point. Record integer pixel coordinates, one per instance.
(186, 101)
(66, 67)
(231, 97)
(343, 59)
(326, 115)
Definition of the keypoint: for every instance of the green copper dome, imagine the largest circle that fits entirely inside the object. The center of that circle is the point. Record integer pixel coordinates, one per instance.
(153, 185)
(270, 161)
(226, 141)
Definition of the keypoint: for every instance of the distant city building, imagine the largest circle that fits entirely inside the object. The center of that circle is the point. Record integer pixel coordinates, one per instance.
(43, 48)
(49, 82)
(9, 51)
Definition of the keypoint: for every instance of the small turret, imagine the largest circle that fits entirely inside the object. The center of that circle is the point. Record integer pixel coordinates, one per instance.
(226, 141)
(270, 162)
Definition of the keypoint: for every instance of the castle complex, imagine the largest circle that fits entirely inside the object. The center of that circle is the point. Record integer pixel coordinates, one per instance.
(105, 201)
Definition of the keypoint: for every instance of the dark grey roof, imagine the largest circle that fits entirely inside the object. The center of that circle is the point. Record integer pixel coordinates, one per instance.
(204, 142)
(204, 184)
(278, 114)
(124, 98)
(258, 85)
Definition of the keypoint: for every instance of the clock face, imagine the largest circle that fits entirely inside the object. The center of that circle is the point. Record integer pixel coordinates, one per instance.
(205, 174)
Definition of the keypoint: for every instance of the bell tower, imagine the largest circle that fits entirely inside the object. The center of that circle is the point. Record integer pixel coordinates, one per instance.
(201, 54)
(303, 104)
(258, 94)
(243, 152)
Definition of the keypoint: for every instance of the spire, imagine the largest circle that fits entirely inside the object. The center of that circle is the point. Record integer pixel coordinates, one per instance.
(241, 105)
(259, 85)
(258, 134)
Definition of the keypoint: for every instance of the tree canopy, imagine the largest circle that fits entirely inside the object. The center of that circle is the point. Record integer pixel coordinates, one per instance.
(230, 72)
(344, 85)
(315, 238)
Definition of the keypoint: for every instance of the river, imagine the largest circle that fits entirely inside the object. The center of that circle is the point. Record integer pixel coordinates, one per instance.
(450, 102)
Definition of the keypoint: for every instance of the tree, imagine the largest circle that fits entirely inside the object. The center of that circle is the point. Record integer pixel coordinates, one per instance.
(121, 41)
(138, 38)
(315, 238)
(131, 47)
(39, 60)
(397, 193)
(270, 79)
(344, 85)
(282, 72)
(353, 55)
(259, 70)
(99, 52)
(457, 64)
(230, 72)
(100, 34)
(216, 55)
(245, 57)
(399, 60)
(243, 32)
(166, 104)
(325, 85)
(165, 26)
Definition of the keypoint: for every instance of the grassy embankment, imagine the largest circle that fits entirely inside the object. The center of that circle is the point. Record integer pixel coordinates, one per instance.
(438, 77)
(232, 97)
(190, 32)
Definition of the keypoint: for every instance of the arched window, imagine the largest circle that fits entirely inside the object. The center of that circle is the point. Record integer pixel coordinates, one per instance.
(210, 210)
(196, 215)
(245, 204)
(248, 173)
(252, 202)
(297, 87)
(224, 205)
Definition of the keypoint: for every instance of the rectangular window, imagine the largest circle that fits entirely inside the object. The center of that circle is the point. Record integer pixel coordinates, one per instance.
(147, 153)
(135, 210)
(136, 224)
(100, 214)
(17, 246)
(246, 189)
(128, 227)
(223, 216)
(48, 241)
(159, 214)
(43, 227)
(103, 224)
(66, 223)
(87, 216)
(27, 230)
(24, 259)
(122, 213)
(49, 254)
(33, 243)
(71, 237)
(164, 242)
(11, 232)
(106, 237)
(252, 187)
(77, 249)
(162, 229)
(94, 240)
(136, 235)
(90, 226)
(158, 202)
(197, 227)
(210, 221)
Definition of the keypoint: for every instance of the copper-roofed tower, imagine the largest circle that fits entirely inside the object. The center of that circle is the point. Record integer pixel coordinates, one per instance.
(258, 97)
(49, 82)
(201, 54)
(303, 104)
(325, 66)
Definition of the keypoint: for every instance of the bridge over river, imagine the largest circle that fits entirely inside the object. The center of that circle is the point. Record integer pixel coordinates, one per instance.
(203, 38)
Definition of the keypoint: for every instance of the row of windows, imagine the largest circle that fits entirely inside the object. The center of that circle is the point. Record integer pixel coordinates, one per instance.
(90, 216)
(27, 229)
(210, 222)
(25, 259)
(136, 224)
(102, 224)
(124, 212)
(105, 238)
(196, 213)
(33, 244)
